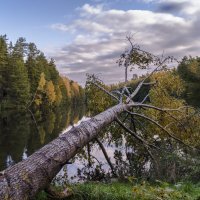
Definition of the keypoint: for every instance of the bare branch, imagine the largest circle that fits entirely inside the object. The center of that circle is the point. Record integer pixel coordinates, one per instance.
(156, 108)
(134, 134)
(145, 98)
(152, 157)
(150, 83)
(32, 115)
(107, 92)
(106, 156)
(161, 127)
(135, 92)
(30, 103)
(126, 88)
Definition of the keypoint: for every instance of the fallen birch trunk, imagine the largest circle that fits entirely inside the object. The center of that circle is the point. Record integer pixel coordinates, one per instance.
(25, 179)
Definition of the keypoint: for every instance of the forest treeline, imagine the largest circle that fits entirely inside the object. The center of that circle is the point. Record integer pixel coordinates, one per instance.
(29, 79)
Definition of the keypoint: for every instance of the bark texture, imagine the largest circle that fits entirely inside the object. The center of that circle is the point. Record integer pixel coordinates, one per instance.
(25, 179)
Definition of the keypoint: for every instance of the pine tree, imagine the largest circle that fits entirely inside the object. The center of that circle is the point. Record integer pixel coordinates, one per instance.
(54, 75)
(3, 67)
(34, 70)
(19, 89)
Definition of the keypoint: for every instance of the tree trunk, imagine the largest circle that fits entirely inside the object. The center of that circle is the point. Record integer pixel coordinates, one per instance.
(25, 179)
(126, 74)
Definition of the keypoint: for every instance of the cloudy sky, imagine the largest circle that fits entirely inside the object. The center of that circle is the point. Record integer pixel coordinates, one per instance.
(89, 36)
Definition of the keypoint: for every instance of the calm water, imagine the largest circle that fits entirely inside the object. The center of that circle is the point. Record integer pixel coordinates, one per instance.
(22, 133)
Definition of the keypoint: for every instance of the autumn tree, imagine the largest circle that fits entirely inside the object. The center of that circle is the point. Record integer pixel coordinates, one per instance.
(40, 91)
(50, 93)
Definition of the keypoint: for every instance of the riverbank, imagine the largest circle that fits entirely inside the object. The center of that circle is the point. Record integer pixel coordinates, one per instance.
(127, 191)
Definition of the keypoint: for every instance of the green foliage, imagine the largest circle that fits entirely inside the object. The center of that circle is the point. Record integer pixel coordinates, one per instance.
(19, 86)
(167, 93)
(96, 99)
(3, 68)
(189, 70)
(3, 50)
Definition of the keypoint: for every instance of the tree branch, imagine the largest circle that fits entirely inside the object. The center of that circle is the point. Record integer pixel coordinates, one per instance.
(163, 128)
(106, 156)
(107, 92)
(133, 134)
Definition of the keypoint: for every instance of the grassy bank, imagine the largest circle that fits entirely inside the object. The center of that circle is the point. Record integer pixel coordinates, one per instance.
(128, 191)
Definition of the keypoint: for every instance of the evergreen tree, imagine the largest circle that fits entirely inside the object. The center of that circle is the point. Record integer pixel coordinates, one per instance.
(19, 86)
(20, 48)
(3, 66)
(54, 75)
(189, 70)
(34, 70)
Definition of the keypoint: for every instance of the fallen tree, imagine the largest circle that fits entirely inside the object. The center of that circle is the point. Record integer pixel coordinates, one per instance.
(25, 179)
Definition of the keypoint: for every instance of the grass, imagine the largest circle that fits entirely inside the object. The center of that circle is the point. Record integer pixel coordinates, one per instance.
(97, 191)
(128, 191)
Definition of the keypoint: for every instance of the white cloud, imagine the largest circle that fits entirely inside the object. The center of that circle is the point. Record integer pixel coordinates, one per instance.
(100, 37)
(90, 10)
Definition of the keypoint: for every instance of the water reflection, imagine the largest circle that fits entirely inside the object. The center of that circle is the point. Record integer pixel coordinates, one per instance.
(22, 133)
(90, 164)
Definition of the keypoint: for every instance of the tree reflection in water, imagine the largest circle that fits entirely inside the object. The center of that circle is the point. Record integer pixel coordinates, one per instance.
(20, 135)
